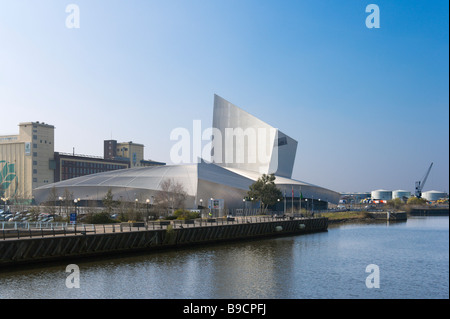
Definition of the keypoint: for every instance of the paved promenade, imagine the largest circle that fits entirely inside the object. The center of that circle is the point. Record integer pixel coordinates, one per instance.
(33, 230)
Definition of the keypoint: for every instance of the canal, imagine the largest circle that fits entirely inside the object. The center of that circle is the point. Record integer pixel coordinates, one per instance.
(406, 260)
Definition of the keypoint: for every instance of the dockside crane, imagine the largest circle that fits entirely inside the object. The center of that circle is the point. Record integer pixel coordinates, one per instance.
(421, 184)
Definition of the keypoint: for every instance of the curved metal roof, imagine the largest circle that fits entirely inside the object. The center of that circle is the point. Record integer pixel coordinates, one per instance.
(200, 180)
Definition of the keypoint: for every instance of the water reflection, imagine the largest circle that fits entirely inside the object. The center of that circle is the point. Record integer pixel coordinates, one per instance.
(412, 256)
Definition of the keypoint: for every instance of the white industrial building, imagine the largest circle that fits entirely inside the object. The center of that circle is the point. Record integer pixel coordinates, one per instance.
(433, 195)
(381, 194)
(401, 194)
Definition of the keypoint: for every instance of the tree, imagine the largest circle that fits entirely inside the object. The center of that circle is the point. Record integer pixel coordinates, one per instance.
(108, 201)
(265, 190)
(396, 203)
(171, 196)
(416, 201)
(68, 200)
(52, 200)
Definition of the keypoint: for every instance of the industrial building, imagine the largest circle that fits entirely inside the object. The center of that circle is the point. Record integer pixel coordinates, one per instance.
(402, 194)
(381, 194)
(225, 180)
(434, 195)
(28, 161)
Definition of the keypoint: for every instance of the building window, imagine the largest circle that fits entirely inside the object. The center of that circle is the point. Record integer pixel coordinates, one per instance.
(282, 141)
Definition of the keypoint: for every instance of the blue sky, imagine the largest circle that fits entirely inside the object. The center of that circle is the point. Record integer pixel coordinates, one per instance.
(369, 107)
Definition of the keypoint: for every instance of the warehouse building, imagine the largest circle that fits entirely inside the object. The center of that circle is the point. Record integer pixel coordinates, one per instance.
(28, 161)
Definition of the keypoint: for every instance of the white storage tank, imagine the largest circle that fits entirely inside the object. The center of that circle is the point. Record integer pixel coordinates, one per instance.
(381, 194)
(401, 194)
(433, 195)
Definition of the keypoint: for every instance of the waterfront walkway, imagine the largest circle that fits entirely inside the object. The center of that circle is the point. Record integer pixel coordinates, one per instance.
(16, 230)
(35, 245)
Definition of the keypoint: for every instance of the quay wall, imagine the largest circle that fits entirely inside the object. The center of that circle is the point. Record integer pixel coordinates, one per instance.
(52, 248)
(400, 216)
(429, 212)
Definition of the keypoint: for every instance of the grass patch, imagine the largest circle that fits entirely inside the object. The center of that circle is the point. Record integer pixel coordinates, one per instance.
(345, 215)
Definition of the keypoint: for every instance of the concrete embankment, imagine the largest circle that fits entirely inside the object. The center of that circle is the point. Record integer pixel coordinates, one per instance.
(430, 211)
(365, 217)
(32, 250)
(391, 216)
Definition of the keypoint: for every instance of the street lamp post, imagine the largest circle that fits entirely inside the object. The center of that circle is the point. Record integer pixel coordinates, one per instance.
(210, 207)
(135, 207)
(76, 201)
(4, 199)
(147, 202)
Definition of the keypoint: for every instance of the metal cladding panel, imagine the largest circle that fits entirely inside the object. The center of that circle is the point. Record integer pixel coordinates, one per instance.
(219, 175)
(127, 183)
(247, 143)
(232, 196)
(284, 163)
(286, 185)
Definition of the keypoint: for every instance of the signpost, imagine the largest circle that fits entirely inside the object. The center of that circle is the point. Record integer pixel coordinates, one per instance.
(216, 204)
(73, 218)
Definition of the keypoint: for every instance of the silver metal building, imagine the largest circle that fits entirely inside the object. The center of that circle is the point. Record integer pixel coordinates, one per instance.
(243, 149)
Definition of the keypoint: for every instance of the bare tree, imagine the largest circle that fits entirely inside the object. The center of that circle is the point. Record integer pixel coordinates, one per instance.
(171, 196)
(52, 200)
(68, 200)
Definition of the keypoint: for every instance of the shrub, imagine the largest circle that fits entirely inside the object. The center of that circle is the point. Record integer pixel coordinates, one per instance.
(99, 218)
(185, 214)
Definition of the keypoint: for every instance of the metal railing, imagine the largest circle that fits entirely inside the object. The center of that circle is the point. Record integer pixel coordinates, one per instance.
(17, 230)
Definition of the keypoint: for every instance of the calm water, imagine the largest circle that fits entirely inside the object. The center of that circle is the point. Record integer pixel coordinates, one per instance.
(413, 261)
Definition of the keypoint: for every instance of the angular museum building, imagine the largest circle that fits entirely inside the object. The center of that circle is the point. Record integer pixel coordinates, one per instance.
(242, 149)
